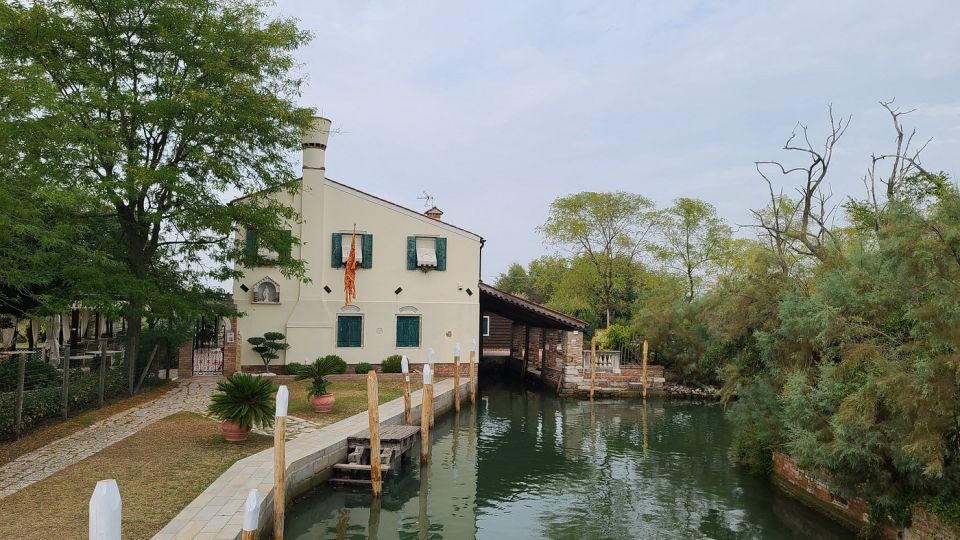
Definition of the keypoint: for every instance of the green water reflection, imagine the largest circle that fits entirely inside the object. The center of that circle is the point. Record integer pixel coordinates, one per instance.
(529, 465)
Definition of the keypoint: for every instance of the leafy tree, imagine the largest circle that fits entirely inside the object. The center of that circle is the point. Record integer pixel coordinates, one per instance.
(157, 109)
(608, 229)
(693, 240)
(515, 280)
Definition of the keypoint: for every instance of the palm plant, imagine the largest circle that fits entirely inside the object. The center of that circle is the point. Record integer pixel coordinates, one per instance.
(318, 371)
(244, 400)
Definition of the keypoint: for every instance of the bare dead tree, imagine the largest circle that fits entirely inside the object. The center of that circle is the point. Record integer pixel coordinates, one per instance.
(904, 162)
(803, 226)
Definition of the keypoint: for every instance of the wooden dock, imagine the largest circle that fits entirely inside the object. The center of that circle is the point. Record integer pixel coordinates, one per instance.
(395, 441)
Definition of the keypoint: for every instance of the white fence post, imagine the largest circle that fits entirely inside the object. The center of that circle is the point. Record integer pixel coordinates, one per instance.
(105, 509)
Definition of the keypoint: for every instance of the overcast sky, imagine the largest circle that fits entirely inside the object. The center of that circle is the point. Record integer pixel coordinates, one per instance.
(498, 107)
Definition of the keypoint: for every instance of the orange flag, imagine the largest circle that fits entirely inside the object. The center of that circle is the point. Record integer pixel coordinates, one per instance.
(350, 274)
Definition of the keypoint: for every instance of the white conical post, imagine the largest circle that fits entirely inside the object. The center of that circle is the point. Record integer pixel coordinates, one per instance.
(456, 377)
(105, 509)
(405, 368)
(430, 356)
(251, 515)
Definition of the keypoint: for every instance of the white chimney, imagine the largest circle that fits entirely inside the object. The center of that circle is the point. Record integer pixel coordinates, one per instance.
(315, 144)
(312, 234)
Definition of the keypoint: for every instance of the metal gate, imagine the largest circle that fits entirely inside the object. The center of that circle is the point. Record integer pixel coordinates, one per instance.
(208, 341)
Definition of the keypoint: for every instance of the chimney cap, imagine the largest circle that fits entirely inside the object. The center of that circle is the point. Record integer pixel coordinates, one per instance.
(434, 213)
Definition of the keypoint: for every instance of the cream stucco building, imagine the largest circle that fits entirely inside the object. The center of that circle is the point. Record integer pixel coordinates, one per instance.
(417, 277)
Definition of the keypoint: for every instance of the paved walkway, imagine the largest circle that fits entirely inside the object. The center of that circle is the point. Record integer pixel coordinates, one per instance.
(191, 395)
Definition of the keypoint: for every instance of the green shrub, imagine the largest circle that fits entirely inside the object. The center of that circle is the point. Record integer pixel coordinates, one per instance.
(37, 374)
(292, 368)
(244, 399)
(391, 364)
(362, 367)
(340, 365)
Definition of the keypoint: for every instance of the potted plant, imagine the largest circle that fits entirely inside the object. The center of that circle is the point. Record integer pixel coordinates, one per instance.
(320, 398)
(243, 401)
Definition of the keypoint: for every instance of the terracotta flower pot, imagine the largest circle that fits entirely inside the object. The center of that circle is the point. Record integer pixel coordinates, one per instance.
(322, 404)
(232, 431)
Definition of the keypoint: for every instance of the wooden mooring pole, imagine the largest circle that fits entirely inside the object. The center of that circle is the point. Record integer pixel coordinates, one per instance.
(593, 364)
(456, 377)
(431, 355)
(251, 516)
(426, 411)
(373, 416)
(644, 373)
(473, 372)
(280, 462)
(405, 368)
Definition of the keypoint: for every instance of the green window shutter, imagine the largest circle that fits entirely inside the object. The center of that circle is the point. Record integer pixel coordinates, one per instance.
(250, 246)
(286, 246)
(367, 250)
(441, 253)
(336, 253)
(411, 253)
(408, 331)
(349, 330)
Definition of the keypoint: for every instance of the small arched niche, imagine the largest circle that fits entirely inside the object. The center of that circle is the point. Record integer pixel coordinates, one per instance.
(266, 291)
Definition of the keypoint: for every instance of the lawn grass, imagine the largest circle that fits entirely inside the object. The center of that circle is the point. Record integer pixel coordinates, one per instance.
(159, 471)
(351, 397)
(59, 429)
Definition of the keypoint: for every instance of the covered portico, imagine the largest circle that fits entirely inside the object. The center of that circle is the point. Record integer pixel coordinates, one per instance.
(535, 340)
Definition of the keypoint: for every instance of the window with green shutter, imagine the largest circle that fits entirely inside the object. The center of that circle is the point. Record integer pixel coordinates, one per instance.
(349, 330)
(339, 253)
(408, 330)
(426, 252)
(286, 246)
(250, 246)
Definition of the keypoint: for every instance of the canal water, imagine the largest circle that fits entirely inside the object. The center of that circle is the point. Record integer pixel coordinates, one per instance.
(527, 464)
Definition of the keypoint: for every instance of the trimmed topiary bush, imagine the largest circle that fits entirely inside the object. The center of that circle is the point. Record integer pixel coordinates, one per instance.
(391, 364)
(339, 363)
(362, 368)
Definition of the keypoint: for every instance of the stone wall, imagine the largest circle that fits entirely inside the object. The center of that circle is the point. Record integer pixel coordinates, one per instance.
(815, 492)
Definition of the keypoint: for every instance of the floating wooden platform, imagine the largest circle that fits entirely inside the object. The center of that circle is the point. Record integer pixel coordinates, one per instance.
(395, 442)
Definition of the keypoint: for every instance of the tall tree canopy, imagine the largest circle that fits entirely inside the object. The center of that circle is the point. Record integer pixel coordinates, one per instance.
(692, 240)
(157, 108)
(608, 229)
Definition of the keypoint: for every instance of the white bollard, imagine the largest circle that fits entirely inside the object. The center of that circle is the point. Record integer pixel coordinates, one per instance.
(105, 507)
(251, 515)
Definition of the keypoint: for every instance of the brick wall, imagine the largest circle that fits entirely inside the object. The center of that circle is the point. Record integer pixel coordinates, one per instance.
(855, 511)
(231, 351)
(185, 360)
